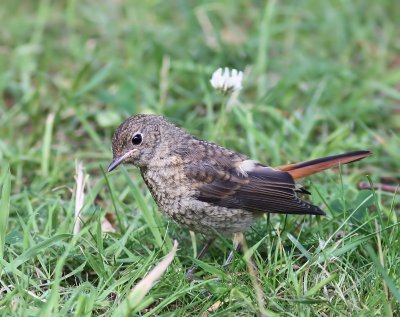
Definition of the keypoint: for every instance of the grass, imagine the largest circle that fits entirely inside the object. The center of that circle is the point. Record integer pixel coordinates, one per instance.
(321, 78)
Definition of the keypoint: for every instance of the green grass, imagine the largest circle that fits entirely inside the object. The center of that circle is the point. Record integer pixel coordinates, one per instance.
(322, 77)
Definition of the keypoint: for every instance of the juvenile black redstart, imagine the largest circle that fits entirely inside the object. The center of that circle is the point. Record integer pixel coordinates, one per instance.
(206, 187)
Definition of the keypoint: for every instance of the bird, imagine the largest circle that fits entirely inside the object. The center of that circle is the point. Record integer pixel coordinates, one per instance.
(210, 189)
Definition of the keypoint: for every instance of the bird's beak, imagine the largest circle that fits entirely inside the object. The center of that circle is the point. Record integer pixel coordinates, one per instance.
(119, 160)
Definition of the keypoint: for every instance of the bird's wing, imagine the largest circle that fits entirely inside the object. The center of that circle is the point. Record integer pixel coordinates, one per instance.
(258, 188)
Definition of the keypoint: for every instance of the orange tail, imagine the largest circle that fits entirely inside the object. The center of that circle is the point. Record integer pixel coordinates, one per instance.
(303, 169)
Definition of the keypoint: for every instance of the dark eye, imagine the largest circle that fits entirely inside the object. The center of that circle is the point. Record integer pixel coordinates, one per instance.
(137, 139)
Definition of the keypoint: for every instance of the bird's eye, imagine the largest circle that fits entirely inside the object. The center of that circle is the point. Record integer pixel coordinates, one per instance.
(137, 139)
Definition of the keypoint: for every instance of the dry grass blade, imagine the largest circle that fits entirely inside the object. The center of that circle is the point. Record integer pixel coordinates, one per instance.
(207, 28)
(107, 225)
(379, 186)
(137, 294)
(80, 181)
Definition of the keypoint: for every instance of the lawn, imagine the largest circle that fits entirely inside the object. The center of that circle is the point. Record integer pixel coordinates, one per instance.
(320, 78)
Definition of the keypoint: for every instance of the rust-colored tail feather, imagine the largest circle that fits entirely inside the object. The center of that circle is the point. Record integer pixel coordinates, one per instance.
(303, 169)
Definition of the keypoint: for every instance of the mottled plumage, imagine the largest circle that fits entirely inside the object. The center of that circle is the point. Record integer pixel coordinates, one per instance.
(206, 187)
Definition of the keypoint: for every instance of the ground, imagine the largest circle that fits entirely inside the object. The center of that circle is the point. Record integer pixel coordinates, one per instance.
(321, 78)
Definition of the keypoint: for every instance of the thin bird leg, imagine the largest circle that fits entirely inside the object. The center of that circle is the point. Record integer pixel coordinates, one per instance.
(236, 246)
(193, 268)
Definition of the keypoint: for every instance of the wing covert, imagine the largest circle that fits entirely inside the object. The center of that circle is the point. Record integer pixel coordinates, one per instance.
(262, 189)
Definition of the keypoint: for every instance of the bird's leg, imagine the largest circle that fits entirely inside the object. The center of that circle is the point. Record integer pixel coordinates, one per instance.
(236, 246)
(193, 268)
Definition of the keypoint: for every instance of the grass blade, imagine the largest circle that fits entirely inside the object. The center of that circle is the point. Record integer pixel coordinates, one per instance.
(4, 206)
(35, 250)
(320, 285)
(262, 56)
(389, 282)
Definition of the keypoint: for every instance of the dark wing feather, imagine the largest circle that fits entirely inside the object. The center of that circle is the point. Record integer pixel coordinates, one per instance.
(263, 190)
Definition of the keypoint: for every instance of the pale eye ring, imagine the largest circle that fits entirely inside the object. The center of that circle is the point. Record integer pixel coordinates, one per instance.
(137, 139)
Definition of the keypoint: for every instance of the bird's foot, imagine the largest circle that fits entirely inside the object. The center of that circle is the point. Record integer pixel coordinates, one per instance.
(190, 273)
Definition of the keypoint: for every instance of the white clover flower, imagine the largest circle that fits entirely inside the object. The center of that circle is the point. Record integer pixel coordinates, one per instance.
(227, 81)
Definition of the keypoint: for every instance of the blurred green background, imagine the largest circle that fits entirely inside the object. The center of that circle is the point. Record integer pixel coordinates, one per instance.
(321, 77)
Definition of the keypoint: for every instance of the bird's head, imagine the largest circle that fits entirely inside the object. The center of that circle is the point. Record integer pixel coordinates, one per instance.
(141, 139)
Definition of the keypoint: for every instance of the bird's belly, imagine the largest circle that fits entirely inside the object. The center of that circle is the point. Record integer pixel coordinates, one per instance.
(205, 218)
(175, 198)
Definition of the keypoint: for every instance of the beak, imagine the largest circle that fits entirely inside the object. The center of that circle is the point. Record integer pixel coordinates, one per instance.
(119, 160)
